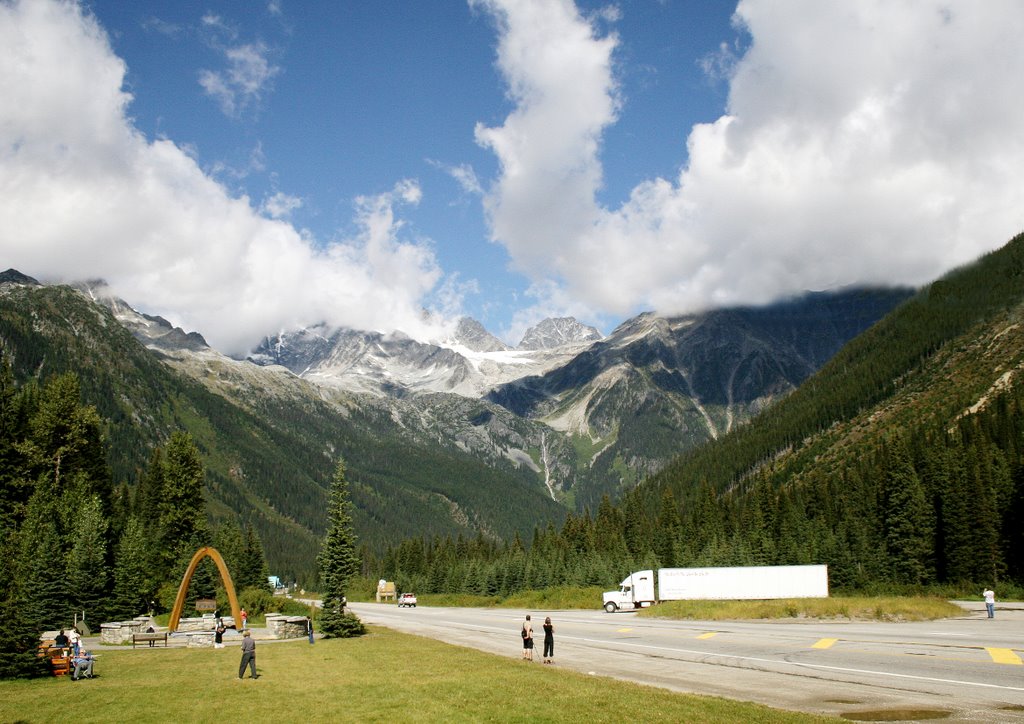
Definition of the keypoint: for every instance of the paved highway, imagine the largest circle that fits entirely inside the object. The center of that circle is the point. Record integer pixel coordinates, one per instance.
(966, 669)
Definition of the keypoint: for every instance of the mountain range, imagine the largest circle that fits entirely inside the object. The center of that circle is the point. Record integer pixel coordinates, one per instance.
(440, 437)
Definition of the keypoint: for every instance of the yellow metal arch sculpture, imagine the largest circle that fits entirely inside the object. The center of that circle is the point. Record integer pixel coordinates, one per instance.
(179, 601)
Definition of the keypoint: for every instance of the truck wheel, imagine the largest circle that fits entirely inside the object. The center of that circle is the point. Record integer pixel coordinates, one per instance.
(610, 607)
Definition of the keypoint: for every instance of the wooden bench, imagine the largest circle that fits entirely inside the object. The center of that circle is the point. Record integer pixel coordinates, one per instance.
(148, 638)
(59, 658)
(60, 665)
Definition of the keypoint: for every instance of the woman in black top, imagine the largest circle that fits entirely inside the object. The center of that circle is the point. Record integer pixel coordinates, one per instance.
(549, 641)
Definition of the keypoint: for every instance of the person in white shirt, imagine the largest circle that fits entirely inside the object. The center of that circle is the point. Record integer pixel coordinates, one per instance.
(990, 602)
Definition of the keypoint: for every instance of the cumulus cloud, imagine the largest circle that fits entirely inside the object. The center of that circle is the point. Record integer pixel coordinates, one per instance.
(872, 142)
(84, 194)
(559, 77)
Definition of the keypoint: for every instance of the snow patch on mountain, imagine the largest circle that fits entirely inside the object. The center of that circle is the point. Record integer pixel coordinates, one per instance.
(469, 363)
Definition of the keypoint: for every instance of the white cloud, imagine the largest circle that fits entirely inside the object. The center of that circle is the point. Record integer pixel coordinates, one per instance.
(244, 81)
(863, 142)
(559, 76)
(280, 205)
(84, 194)
(464, 175)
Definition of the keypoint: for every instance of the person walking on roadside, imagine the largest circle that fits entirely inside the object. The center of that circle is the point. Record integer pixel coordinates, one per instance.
(990, 602)
(549, 641)
(527, 634)
(248, 656)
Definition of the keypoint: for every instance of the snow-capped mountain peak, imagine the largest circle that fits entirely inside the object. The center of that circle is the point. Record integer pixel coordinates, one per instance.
(558, 332)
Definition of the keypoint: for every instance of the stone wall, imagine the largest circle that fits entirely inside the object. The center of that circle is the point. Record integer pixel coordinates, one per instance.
(200, 639)
(206, 622)
(280, 626)
(120, 632)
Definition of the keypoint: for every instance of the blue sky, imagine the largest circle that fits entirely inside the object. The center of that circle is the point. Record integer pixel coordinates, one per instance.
(245, 167)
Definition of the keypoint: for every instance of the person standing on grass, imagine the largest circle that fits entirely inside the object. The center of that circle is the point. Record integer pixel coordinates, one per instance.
(61, 640)
(218, 634)
(990, 602)
(549, 641)
(248, 656)
(527, 634)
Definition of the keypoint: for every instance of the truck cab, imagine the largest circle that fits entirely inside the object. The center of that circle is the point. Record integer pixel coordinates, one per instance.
(635, 591)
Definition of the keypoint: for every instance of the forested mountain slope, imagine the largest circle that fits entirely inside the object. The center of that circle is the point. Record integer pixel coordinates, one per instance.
(268, 456)
(899, 460)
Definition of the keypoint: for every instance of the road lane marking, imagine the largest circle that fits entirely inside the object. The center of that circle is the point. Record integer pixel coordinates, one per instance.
(625, 630)
(824, 644)
(708, 635)
(1004, 656)
(753, 659)
(797, 664)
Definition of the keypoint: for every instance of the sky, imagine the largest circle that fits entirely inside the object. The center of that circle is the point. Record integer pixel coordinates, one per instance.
(245, 167)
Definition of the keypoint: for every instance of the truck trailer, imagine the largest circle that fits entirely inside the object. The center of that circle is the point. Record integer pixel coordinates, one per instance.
(741, 582)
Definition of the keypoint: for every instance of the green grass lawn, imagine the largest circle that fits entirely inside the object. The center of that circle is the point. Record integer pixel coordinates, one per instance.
(384, 676)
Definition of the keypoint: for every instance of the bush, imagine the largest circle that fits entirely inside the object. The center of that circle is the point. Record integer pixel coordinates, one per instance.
(336, 623)
(256, 600)
(291, 607)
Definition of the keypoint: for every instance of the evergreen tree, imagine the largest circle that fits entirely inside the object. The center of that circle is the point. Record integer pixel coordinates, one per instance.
(908, 522)
(337, 561)
(19, 639)
(65, 443)
(15, 486)
(182, 507)
(133, 588)
(669, 531)
(229, 542)
(252, 566)
(41, 566)
(149, 494)
(87, 573)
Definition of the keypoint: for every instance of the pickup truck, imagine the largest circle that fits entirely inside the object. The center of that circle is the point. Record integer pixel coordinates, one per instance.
(407, 599)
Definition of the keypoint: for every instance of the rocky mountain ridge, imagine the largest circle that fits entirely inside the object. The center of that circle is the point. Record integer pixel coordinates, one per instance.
(581, 416)
(469, 363)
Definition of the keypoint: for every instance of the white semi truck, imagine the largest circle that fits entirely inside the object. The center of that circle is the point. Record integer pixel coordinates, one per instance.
(743, 582)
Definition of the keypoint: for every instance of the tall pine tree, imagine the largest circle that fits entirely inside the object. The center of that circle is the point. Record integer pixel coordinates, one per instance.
(337, 562)
(908, 521)
(182, 507)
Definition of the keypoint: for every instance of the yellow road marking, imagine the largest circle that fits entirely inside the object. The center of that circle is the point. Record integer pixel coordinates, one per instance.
(708, 635)
(1004, 656)
(625, 630)
(824, 644)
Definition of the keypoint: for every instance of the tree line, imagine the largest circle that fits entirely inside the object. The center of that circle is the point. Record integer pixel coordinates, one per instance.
(74, 545)
(924, 506)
